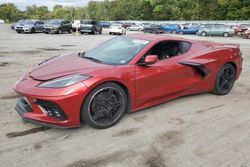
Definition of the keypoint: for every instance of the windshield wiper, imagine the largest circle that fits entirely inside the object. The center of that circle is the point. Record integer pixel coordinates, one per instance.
(93, 59)
(82, 55)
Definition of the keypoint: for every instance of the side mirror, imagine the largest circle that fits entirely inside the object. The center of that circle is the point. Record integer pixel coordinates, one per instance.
(150, 59)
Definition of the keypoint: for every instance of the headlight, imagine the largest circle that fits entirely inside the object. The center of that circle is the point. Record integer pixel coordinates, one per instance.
(64, 81)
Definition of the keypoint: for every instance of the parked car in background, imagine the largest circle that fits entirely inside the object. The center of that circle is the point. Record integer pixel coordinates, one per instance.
(58, 26)
(117, 29)
(246, 34)
(105, 24)
(16, 23)
(90, 26)
(127, 24)
(241, 28)
(171, 28)
(188, 30)
(153, 28)
(216, 30)
(136, 27)
(30, 26)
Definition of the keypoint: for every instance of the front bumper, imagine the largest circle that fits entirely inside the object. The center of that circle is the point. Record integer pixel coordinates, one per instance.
(115, 31)
(68, 99)
(50, 30)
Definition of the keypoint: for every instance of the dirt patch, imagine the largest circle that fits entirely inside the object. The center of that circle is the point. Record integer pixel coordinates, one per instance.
(4, 52)
(11, 96)
(105, 160)
(169, 139)
(126, 132)
(37, 146)
(30, 52)
(210, 108)
(154, 158)
(51, 49)
(4, 64)
(68, 45)
(177, 121)
(140, 118)
(26, 132)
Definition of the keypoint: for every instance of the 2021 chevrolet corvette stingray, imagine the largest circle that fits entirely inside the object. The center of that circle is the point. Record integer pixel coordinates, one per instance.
(124, 74)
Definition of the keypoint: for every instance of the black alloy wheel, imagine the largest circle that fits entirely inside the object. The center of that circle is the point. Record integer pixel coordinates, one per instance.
(225, 80)
(104, 106)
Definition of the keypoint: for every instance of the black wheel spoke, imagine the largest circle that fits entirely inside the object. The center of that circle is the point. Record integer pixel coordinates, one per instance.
(110, 94)
(117, 103)
(98, 114)
(110, 115)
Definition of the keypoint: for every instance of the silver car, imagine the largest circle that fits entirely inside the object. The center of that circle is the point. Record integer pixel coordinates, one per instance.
(216, 30)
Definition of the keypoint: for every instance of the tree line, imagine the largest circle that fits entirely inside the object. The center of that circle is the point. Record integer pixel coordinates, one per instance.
(135, 10)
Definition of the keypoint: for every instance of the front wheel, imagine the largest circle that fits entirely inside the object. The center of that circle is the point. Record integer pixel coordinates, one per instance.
(225, 80)
(104, 106)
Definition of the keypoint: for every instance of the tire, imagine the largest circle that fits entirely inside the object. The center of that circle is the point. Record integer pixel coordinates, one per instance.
(82, 32)
(225, 80)
(59, 31)
(181, 32)
(46, 32)
(173, 32)
(32, 30)
(70, 31)
(104, 106)
(225, 34)
(203, 33)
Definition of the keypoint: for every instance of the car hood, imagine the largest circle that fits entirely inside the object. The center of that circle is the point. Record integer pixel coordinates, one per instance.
(63, 66)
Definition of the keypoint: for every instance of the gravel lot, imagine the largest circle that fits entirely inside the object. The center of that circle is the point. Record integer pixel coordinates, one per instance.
(200, 130)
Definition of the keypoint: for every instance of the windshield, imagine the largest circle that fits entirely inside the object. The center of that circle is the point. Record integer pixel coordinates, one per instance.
(55, 21)
(119, 50)
(116, 25)
(86, 22)
(29, 22)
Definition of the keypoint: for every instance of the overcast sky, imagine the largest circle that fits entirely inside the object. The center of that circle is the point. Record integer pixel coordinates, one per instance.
(21, 4)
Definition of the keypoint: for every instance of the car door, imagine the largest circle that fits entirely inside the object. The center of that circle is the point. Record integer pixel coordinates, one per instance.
(40, 26)
(163, 80)
(64, 26)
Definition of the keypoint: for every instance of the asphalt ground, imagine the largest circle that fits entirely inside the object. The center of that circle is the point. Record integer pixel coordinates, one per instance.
(192, 131)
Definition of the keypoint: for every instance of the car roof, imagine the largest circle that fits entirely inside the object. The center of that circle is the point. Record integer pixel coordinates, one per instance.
(154, 37)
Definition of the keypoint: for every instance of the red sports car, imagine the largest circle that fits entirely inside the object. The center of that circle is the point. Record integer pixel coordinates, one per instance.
(124, 74)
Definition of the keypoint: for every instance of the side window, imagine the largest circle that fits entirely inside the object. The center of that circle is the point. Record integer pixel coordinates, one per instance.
(185, 46)
(165, 50)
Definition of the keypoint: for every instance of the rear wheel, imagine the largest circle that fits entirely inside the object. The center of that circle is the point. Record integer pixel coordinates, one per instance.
(181, 32)
(225, 34)
(225, 80)
(104, 106)
(174, 32)
(203, 33)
